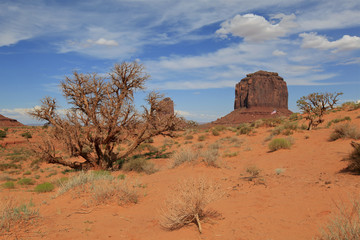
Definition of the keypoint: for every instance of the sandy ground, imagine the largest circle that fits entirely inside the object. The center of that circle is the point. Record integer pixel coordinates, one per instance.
(294, 204)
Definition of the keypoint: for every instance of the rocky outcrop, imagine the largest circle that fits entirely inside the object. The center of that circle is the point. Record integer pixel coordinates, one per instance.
(8, 122)
(259, 95)
(261, 89)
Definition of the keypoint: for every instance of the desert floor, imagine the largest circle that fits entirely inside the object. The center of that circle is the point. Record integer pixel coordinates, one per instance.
(297, 192)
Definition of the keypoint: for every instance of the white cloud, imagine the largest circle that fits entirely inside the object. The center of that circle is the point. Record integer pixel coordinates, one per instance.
(346, 43)
(278, 52)
(188, 85)
(105, 42)
(256, 28)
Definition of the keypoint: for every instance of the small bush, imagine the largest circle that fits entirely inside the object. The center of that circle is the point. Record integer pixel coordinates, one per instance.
(244, 128)
(122, 191)
(11, 214)
(345, 131)
(279, 143)
(44, 187)
(211, 157)
(354, 158)
(2, 134)
(215, 132)
(344, 226)
(201, 138)
(26, 181)
(8, 185)
(189, 137)
(182, 156)
(254, 171)
(26, 135)
(295, 117)
(139, 165)
(27, 173)
(350, 106)
(188, 203)
(5, 166)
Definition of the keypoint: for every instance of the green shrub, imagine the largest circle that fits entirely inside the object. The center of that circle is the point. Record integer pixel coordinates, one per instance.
(44, 187)
(9, 185)
(279, 143)
(27, 173)
(26, 181)
(350, 106)
(244, 128)
(337, 120)
(2, 134)
(345, 131)
(215, 132)
(295, 117)
(139, 165)
(26, 135)
(201, 138)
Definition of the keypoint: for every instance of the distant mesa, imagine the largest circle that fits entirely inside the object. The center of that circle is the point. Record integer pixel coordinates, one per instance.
(259, 95)
(8, 122)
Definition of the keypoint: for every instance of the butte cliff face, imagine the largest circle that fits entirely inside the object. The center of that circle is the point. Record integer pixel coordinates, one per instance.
(8, 122)
(261, 89)
(256, 97)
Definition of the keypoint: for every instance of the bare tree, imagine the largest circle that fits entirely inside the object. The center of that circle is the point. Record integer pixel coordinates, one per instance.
(315, 105)
(102, 117)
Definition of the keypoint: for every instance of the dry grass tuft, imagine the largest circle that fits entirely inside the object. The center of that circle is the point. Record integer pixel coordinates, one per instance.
(345, 226)
(345, 130)
(188, 203)
(11, 214)
(184, 155)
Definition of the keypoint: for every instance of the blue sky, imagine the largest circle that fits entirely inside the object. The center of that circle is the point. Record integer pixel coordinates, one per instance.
(194, 50)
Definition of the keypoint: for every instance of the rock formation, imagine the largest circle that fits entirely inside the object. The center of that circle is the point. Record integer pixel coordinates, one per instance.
(259, 95)
(261, 89)
(8, 122)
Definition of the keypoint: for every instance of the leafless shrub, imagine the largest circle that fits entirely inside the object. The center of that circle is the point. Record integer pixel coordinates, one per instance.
(188, 203)
(345, 130)
(102, 117)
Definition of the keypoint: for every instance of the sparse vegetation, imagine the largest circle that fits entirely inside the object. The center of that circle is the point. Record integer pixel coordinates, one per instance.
(350, 106)
(254, 172)
(44, 187)
(344, 226)
(315, 105)
(188, 203)
(337, 120)
(11, 214)
(201, 138)
(279, 143)
(26, 181)
(345, 130)
(9, 185)
(26, 135)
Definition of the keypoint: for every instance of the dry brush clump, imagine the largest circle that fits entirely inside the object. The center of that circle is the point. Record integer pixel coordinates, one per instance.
(102, 187)
(345, 130)
(188, 203)
(102, 116)
(186, 154)
(344, 226)
(354, 158)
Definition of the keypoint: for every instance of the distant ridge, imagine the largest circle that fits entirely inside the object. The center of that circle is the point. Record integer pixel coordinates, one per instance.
(8, 122)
